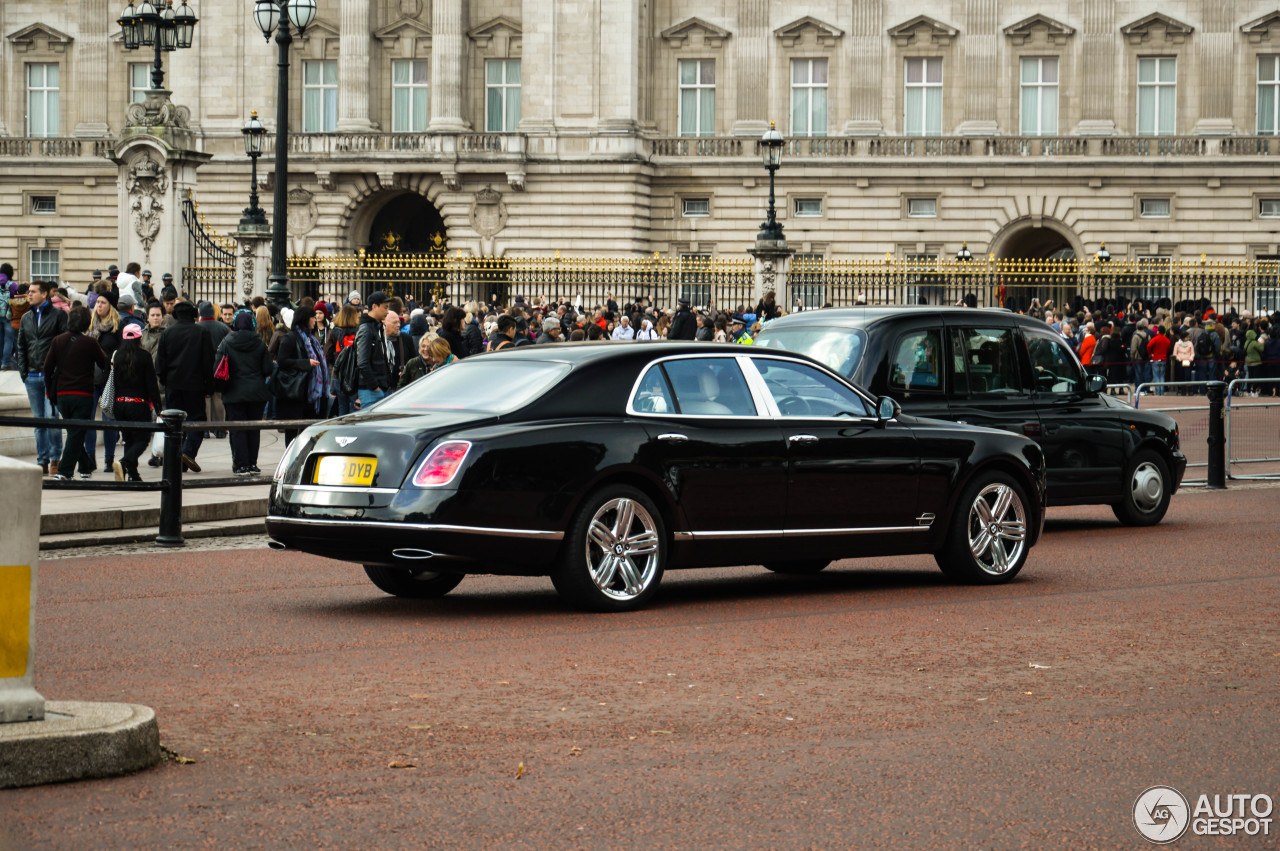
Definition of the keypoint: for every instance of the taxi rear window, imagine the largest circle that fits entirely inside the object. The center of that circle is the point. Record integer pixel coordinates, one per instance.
(839, 349)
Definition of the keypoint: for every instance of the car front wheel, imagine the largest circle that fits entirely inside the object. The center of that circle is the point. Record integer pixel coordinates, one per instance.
(417, 584)
(1146, 491)
(987, 543)
(614, 552)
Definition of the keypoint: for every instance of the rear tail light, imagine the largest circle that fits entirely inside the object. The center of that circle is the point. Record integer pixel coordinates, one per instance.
(440, 467)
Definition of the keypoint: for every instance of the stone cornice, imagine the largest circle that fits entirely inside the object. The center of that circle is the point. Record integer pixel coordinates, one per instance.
(677, 34)
(24, 39)
(482, 34)
(794, 32)
(1141, 30)
(1024, 30)
(923, 29)
(1259, 29)
(410, 27)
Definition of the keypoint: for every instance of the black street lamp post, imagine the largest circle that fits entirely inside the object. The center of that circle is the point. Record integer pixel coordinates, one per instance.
(254, 134)
(276, 16)
(771, 150)
(157, 26)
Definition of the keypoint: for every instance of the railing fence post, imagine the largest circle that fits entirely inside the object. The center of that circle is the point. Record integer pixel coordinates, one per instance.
(171, 496)
(1217, 436)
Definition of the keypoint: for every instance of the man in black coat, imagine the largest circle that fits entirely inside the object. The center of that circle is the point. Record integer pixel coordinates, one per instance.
(184, 362)
(217, 332)
(683, 325)
(374, 380)
(36, 330)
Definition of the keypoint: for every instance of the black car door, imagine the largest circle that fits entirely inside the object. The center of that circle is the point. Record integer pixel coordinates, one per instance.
(848, 475)
(725, 463)
(989, 385)
(913, 372)
(1083, 438)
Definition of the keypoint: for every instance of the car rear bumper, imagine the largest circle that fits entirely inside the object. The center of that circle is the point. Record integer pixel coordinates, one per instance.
(461, 549)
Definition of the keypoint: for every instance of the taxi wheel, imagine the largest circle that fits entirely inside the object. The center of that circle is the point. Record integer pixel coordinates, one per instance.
(417, 584)
(798, 567)
(987, 542)
(1146, 491)
(614, 553)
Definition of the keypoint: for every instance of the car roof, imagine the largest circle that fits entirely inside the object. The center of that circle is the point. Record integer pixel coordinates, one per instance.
(869, 314)
(583, 352)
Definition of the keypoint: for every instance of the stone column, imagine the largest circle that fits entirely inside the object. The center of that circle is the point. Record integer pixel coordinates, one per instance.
(447, 72)
(253, 259)
(980, 44)
(537, 68)
(353, 68)
(90, 58)
(620, 48)
(1215, 43)
(1098, 39)
(866, 57)
(751, 72)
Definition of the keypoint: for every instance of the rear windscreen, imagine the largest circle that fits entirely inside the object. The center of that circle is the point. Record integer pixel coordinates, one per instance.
(490, 386)
(839, 349)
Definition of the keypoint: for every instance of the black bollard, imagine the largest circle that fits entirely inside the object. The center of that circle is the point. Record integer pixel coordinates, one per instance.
(1217, 435)
(171, 497)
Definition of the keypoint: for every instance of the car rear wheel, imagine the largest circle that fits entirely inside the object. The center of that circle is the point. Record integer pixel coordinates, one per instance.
(1146, 491)
(798, 567)
(614, 553)
(407, 582)
(987, 543)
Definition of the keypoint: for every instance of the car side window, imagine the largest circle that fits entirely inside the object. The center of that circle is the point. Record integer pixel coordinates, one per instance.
(710, 387)
(916, 364)
(800, 390)
(991, 361)
(652, 395)
(1055, 368)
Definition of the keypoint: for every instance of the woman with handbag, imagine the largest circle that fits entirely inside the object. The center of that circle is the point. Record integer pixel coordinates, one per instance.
(301, 378)
(69, 373)
(105, 328)
(247, 366)
(134, 398)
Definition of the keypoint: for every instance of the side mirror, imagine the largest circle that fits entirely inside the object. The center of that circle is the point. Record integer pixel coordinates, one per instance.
(886, 409)
(1096, 383)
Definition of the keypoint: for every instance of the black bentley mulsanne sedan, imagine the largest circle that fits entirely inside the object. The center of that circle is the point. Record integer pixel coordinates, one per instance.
(604, 464)
(995, 368)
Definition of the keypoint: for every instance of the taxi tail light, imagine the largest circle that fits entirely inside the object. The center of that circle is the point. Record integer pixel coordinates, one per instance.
(442, 464)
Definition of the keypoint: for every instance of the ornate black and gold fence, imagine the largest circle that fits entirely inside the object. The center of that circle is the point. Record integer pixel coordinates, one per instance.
(1191, 284)
(710, 282)
(212, 273)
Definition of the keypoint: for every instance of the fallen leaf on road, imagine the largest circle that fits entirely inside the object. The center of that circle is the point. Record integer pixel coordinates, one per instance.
(419, 726)
(1027, 692)
(419, 696)
(503, 683)
(1041, 667)
(660, 732)
(401, 765)
(575, 750)
(519, 770)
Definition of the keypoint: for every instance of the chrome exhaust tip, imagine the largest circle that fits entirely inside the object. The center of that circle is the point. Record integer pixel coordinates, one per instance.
(276, 545)
(412, 554)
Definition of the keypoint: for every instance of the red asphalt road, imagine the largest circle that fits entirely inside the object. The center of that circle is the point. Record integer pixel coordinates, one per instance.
(872, 706)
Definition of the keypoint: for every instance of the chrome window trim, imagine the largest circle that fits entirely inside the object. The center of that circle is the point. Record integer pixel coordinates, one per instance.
(635, 387)
(335, 489)
(422, 527)
(795, 533)
(776, 413)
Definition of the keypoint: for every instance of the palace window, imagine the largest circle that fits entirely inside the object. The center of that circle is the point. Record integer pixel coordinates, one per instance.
(1154, 208)
(1157, 95)
(923, 97)
(1269, 208)
(1268, 95)
(1040, 96)
(319, 96)
(922, 208)
(697, 97)
(502, 95)
(44, 264)
(42, 99)
(695, 207)
(139, 81)
(808, 97)
(409, 95)
(807, 207)
(44, 205)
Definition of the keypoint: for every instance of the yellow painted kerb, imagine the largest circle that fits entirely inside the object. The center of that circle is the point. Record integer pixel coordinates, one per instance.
(15, 619)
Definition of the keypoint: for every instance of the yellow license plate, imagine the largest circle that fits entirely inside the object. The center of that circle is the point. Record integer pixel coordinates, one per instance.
(355, 471)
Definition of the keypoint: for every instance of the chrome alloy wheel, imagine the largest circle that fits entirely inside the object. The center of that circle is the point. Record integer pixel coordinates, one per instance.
(622, 549)
(1147, 487)
(997, 528)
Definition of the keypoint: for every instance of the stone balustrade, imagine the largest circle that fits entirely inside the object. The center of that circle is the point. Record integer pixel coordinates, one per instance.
(54, 147)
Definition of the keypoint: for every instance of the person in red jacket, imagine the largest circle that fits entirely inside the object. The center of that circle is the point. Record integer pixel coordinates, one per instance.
(1087, 346)
(1158, 347)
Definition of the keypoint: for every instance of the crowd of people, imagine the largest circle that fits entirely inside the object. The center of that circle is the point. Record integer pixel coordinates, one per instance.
(121, 351)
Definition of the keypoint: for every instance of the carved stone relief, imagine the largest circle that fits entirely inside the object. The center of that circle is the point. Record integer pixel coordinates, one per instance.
(488, 213)
(146, 185)
(303, 212)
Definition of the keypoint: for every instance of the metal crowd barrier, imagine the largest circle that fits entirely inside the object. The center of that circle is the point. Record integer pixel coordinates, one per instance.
(171, 484)
(1253, 429)
(1192, 419)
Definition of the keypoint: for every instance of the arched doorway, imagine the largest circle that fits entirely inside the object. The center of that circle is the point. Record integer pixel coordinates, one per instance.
(1036, 238)
(1028, 247)
(407, 224)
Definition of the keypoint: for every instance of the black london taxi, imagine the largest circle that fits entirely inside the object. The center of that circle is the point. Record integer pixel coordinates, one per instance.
(990, 367)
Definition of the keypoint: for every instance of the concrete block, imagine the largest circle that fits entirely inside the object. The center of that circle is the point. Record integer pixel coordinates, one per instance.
(78, 741)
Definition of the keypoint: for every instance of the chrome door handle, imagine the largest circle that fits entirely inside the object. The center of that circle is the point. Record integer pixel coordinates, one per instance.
(673, 438)
(802, 438)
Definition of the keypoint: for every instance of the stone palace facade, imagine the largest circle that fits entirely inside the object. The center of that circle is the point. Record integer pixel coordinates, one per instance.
(627, 127)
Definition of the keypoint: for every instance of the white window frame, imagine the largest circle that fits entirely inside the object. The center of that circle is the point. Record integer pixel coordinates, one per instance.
(1156, 85)
(1142, 208)
(925, 85)
(327, 120)
(687, 208)
(49, 202)
(48, 96)
(811, 213)
(38, 269)
(932, 214)
(697, 86)
(1269, 89)
(413, 122)
(1273, 204)
(811, 89)
(138, 93)
(505, 89)
(1042, 90)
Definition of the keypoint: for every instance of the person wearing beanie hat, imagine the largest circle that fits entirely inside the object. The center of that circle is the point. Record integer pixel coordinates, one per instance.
(137, 398)
(353, 297)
